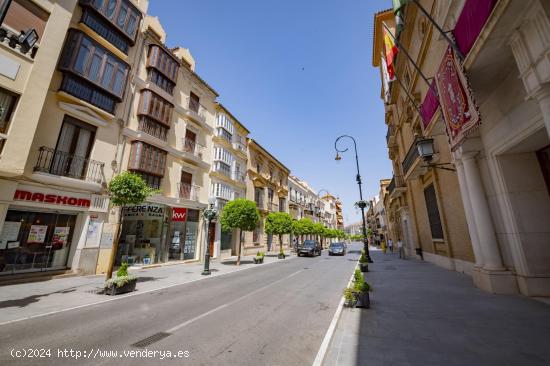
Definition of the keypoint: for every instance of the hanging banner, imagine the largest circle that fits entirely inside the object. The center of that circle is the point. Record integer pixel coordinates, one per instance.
(456, 99)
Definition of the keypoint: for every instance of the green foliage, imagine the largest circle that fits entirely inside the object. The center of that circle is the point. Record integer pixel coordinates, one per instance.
(349, 294)
(119, 281)
(360, 285)
(358, 276)
(240, 214)
(260, 255)
(278, 223)
(369, 232)
(357, 237)
(128, 189)
(318, 229)
(363, 258)
(123, 270)
(302, 227)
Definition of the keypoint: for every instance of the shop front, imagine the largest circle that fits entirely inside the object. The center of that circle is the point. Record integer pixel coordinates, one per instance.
(40, 228)
(156, 233)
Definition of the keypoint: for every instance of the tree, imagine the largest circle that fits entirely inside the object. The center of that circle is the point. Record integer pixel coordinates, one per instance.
(318, 230)
(278, 223)
(240, 214)
(125, 189)
(302, 227)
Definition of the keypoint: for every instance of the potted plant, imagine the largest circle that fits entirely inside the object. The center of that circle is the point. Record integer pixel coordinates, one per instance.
(362, 290)
(350, 297)
(259, 258)
(122, 283)
(281, 255)
(363, 262)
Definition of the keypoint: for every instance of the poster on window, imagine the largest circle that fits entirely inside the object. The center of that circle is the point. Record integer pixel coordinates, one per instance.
(37, 234)
(10, 232)
(93, 234)
(60, 236)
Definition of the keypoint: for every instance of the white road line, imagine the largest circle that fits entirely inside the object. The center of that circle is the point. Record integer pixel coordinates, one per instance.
(179, 326)
(330, 331)
(136, 293)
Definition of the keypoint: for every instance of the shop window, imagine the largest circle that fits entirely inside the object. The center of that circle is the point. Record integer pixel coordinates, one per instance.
(543, 156)
(35, 241)
(433, 212)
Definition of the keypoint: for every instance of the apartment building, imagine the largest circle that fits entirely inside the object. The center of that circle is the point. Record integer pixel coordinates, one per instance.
(227, 176)
(490, 217)
(64, 87)
(267, 185)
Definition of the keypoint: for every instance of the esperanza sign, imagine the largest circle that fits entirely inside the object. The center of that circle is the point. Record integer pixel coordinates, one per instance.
(144, 211)
(50, 198)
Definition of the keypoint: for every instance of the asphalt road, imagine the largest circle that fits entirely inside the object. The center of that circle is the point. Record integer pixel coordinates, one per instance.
(268, 315)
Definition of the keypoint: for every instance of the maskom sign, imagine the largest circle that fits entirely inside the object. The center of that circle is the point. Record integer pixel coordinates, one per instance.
(54, 199)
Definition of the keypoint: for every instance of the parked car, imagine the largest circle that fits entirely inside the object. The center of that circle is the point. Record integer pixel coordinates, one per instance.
(310, 248)
(337, 249)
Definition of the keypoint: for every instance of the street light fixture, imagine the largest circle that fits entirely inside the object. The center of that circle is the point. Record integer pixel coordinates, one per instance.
(209, 214)
(361, 204)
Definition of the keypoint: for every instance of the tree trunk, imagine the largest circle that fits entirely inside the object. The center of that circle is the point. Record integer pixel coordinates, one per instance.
(280, 243)
(114, 249)
(240, 245)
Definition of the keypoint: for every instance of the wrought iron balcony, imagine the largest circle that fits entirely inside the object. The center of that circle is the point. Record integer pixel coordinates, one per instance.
(195, 109)
(63, 164)
(411, 157)
(239, 177)
(221, 167)
(188, 191)
(192, 147)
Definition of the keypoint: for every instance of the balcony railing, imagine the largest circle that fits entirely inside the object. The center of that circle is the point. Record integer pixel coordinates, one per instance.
(188, 191)
(411, 157)
(238, 176)
(69, 165)
(196, 108)
(221, 132)
(192, 147)
(222, 167)
(239, 146)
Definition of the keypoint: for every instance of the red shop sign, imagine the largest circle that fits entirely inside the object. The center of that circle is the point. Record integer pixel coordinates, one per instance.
(179, 214)
(54, 199)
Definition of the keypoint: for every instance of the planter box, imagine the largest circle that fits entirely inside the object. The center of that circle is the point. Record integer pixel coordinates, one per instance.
(364, 267)
(281, 256)
(127, 287)
(258, 260)
(363, 300)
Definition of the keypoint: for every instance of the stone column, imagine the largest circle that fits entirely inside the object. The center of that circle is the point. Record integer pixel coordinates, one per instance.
(543, 98)
(472, 226)
(480, 209)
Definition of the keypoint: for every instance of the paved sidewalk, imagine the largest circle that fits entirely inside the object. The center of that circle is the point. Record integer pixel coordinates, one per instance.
(422, 314)
(26, 300)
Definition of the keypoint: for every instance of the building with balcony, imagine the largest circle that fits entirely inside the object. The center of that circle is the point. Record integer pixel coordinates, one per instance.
(490, 217)
(297, 193)
(167, 140)
(267, 185)
(63, 86)
(227, 174)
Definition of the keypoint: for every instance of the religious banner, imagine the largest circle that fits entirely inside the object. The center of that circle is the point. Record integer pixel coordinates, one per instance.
(456, 99)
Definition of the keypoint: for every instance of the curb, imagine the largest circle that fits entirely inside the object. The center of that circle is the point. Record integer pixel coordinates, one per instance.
(332, 327)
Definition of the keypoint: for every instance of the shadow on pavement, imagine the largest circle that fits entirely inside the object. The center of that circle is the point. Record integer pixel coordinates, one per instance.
(235, 262)
(25, 301)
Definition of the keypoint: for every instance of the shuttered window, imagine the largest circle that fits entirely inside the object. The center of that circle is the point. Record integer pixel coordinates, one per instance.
(147, 158)
(433, 212)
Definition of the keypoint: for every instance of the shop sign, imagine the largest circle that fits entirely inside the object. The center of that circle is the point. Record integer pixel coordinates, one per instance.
(54, 199)
(143, 211)
(179, 214)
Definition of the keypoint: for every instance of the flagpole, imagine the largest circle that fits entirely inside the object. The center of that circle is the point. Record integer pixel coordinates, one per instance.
(443, 33)
(400, 46)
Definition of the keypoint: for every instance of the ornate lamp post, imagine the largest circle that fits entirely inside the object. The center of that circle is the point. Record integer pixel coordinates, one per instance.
(361, 204)
(209, 214)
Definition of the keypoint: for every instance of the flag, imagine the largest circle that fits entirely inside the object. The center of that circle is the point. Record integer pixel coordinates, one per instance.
(398, 11)
(390, 50)
(385, 80)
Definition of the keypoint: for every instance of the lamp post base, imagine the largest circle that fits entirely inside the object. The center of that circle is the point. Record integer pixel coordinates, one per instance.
(206, 272)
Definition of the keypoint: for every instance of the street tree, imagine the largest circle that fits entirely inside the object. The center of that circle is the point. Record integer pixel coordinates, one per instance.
(125, 189)
(279, 223)
(240, 214)
(302, 227)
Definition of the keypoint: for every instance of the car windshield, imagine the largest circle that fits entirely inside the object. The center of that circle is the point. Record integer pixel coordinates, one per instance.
(336, 245)
(309, 244)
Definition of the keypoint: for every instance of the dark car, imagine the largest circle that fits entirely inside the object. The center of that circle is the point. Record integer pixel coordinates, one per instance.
(337, 249)
(310, 248)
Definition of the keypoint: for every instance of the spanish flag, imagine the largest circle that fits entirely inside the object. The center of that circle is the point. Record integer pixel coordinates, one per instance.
(390, 50)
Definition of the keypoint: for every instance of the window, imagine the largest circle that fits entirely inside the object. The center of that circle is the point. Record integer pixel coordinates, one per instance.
(121, 15)
(7, 105)
(282, 203)
(86, 58)
(222, 132)
(23, 15)
(186, 185)
(194, 102)
(146, 158)
(161, 81)
(258, 196)
(222, 167)
(433, 212)
(190, 141)
(153, 128)
(164, 62)
(222, 154)
(151, 180)
(544, 160)
(156, 107)
(223, 121)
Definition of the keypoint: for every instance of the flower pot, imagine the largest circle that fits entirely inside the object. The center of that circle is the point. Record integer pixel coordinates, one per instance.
(364, 267)
(363, 300)
(281, 256)
(258, 260)
(351, 303)
(127, 287)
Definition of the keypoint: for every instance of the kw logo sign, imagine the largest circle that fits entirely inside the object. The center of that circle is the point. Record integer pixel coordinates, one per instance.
(179, 214)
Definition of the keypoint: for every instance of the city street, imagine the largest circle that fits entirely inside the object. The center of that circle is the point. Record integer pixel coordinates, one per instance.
(276, 314)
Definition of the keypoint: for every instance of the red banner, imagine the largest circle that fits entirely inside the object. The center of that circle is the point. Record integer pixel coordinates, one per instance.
(456, 99)
(179, 214)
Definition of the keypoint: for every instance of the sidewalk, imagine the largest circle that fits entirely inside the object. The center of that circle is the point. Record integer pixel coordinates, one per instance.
(425, 315)
(26, 300)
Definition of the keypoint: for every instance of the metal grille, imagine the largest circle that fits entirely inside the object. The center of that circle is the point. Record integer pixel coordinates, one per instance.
(150, 340)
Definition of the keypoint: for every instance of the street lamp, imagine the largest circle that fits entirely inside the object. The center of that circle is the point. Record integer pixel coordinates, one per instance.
(361, 204)
(209, 214)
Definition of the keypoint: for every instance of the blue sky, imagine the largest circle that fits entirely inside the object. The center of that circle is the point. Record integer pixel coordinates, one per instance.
(298, 74)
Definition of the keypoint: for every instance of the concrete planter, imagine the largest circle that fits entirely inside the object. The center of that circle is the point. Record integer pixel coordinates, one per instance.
(127, 287)
(364, 267)
(281, 256)
(363, 300)
(258, 260)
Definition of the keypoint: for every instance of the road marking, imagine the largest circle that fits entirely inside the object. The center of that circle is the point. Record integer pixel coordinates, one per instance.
(198, 317)
(136, 293)
(330, 331)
